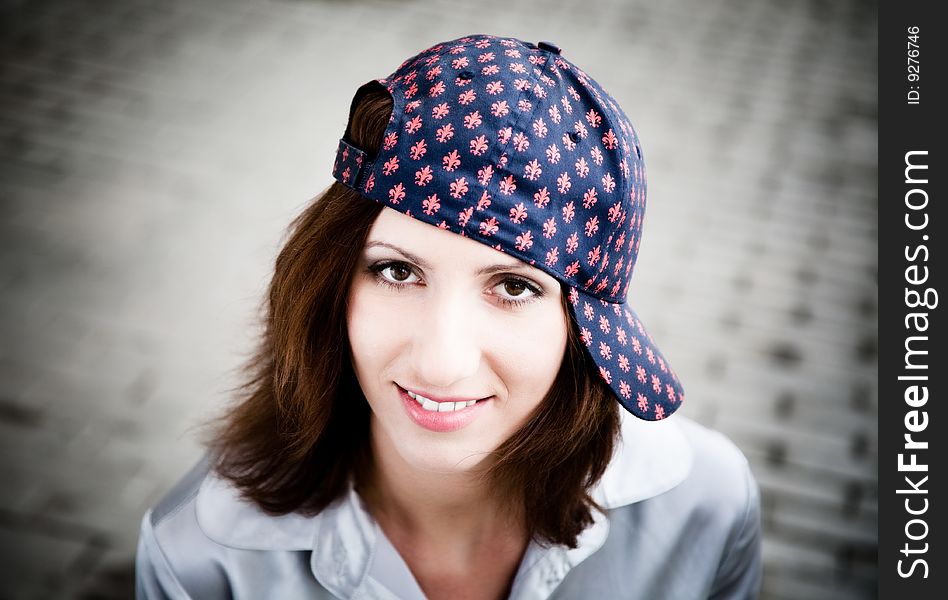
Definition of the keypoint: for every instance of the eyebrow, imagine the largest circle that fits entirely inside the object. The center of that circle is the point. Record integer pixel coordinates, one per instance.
(420, 262)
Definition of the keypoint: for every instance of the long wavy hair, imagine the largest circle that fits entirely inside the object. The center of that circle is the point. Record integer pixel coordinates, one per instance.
(297, 430)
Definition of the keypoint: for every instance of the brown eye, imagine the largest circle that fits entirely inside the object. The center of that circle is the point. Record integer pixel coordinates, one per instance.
(513, 294)
(400, 269)
(397, 275)
(514, 287)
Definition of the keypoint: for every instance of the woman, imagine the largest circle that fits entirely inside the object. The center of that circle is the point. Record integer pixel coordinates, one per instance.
(451, 399)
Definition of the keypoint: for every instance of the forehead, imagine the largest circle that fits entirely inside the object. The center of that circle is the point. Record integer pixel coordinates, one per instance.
(440, 246)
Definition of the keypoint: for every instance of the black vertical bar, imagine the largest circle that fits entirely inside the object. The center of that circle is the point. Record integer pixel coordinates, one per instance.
(912, 264)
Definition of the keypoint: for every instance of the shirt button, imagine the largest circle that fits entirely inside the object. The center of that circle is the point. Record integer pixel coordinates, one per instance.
(549, 47)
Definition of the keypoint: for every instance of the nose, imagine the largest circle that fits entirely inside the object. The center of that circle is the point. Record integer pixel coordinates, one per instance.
(446, 348)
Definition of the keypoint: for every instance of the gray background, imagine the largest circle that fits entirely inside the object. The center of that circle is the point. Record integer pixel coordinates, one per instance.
(152, 153)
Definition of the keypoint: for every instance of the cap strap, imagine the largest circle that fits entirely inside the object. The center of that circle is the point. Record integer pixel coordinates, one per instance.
(350, 166)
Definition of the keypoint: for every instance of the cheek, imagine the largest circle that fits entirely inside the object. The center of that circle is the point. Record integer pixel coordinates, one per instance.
(535, 353)
(366, 326)
(376, 324)
(548, 334)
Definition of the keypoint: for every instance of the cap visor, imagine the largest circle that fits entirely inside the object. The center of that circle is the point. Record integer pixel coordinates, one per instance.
(628, 360)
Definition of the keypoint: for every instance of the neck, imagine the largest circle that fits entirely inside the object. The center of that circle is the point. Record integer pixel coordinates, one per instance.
(453, 514)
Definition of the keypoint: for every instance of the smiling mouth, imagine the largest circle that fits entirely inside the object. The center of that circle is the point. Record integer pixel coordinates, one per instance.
(432, 406)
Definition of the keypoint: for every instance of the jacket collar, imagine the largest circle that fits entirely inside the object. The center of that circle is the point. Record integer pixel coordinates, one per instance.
(652, 458)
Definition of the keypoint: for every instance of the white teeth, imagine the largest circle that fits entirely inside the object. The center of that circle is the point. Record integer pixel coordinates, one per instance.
(431, 405)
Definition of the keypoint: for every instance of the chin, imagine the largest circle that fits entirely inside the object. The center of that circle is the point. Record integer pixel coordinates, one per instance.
(442, 458)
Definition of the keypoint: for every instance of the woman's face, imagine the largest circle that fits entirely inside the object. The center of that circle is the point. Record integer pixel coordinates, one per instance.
(450, 318)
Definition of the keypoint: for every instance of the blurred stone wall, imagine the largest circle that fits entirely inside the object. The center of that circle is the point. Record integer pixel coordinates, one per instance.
(152, 153)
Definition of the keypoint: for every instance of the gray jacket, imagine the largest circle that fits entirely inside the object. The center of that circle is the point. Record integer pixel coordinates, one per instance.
(683, 521)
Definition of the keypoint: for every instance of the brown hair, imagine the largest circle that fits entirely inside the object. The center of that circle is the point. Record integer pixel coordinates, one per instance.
(289, 443)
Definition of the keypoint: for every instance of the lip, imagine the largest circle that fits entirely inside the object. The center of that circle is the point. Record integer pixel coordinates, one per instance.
(440, 421)
(437, 398)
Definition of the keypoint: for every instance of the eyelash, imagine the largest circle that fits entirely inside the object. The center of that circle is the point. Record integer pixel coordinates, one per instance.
(377, 269)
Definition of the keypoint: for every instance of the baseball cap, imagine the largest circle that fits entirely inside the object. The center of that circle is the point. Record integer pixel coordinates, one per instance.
(510, 144)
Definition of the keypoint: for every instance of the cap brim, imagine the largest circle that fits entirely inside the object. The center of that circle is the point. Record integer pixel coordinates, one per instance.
(628, 360)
